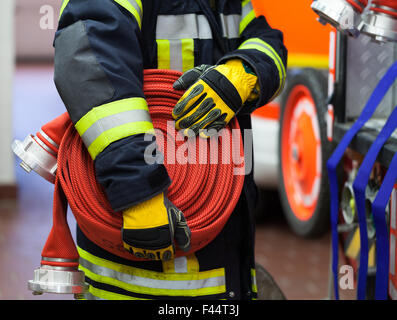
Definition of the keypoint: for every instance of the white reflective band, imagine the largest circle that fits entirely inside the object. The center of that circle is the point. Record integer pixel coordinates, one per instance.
(49, 139)
(180, 265)
(113, 121)
(186, 26)
(152, 283)
(231, 25)
(44, 146)
(176, 62)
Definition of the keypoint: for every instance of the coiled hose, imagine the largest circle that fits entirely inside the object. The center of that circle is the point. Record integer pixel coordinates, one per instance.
(206, 191)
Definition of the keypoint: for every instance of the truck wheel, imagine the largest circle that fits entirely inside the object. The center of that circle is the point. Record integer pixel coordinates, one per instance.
(303, 151)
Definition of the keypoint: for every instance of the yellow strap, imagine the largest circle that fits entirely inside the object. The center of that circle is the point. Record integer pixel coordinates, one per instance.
(260, 45)
(107, 295)
(136, 10)
(190, 261)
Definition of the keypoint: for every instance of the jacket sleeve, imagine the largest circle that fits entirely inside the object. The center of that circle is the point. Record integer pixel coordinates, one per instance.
(262, 48)
(99, 76)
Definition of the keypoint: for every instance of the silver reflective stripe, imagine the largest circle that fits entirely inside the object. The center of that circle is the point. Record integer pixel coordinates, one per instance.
(392, 254)
(153, 283)
(115, 120)
(247, 9)
(176, 60)
(180, 265)
(186, 26)
(136, 6)
(230, 25)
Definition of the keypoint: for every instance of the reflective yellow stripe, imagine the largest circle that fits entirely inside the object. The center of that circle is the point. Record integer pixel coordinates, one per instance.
(175, 54)
(134, 7)
(308, 60)
(94, 293)
(187, 54)
(163, 54)
(150, 282)
(246, 18)
(253, 279)
(64, 4)
(258, 44)
(113, 121)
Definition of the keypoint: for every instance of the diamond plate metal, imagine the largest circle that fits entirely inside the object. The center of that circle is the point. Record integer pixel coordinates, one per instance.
(367, 62)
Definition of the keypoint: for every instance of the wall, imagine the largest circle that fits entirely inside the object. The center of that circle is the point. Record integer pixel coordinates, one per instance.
(7, 175)
(35, 25)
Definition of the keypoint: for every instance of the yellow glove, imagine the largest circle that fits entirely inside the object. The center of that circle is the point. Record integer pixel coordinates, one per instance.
(151, 229)
(215, 96)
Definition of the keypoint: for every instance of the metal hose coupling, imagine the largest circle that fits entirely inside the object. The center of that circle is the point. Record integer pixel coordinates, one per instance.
(381, 21)
(36, 156)
(39, 152)
(344, 15)
(58, 279)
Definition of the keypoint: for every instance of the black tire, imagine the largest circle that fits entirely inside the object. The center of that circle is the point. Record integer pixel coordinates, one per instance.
(318, 224)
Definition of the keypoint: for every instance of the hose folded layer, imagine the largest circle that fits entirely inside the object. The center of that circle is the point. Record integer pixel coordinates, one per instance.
(204, 186)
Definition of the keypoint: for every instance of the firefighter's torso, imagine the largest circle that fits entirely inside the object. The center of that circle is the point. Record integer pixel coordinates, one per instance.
(181, 34)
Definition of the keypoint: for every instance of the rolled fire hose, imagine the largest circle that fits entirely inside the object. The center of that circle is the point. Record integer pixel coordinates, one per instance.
(377, 96)
(206, 191)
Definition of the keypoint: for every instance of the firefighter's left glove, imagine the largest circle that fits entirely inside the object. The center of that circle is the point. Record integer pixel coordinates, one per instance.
(215, 95)
(151, 229)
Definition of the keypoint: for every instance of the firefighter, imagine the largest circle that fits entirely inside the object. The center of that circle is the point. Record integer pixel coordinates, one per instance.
(233, 63)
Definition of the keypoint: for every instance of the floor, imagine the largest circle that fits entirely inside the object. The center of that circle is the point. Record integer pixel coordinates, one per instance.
(299, 266)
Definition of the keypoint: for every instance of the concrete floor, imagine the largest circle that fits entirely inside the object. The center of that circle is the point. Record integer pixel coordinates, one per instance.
(299, 266)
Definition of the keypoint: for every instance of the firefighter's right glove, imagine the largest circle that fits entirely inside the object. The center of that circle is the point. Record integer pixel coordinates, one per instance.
(151, 229)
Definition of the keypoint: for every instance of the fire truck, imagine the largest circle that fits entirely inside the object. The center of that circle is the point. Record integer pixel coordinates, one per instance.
(361, 132)
(290, 133)
(338, 68)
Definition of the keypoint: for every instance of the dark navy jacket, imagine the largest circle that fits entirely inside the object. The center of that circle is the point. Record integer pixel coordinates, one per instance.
(101, 49)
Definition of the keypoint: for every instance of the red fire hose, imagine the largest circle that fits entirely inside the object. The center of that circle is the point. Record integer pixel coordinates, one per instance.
(358, 5)
(385, 6)
(206, 191)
